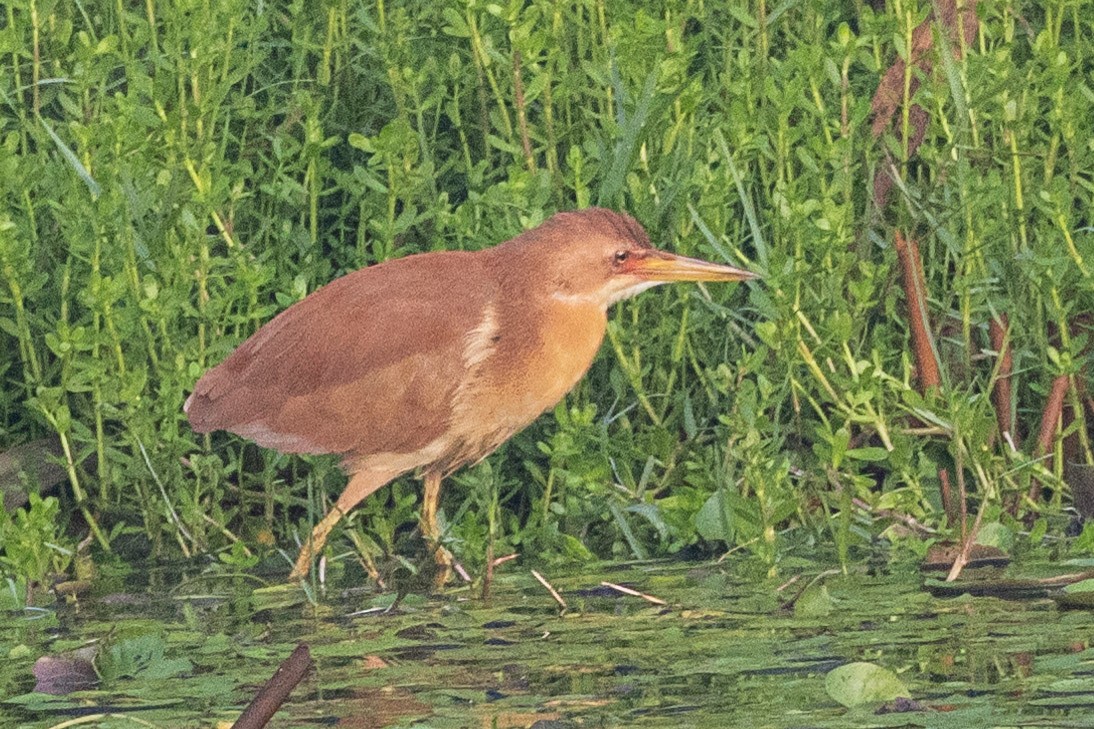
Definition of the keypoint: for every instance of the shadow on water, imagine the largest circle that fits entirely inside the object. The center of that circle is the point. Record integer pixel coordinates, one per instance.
(722, 652)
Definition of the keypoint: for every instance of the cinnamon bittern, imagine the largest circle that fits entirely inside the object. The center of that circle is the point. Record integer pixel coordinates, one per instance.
(432, 361)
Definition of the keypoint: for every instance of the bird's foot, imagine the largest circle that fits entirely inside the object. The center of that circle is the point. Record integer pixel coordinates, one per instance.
(302, 566)
(445, 565)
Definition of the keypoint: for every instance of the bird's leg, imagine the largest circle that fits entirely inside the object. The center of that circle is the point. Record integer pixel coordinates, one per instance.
(432, 533)
(360, 485)
(315, 544)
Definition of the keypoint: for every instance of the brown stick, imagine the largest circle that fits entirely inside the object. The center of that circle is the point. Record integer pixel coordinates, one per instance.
(634, 593)
(268, 700)
(949, 503)
(1051, 415)
(915, 288)
(550, 588)
(926, 364)
(1002, 397)
(967, 544)
(1049, 420)
(958, 26)
(890, 90)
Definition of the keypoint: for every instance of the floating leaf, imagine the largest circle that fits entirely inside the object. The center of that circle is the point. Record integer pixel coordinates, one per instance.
(1083, 586)
(814, 602)
(855, 684)
(60, 675)
(1078, 595)
(141, 655)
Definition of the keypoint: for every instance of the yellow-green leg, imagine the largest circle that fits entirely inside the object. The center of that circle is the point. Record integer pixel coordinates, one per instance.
(360, 485)
(431, 531)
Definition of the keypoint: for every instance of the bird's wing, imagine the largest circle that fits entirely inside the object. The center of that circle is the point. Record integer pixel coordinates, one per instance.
(367, 364)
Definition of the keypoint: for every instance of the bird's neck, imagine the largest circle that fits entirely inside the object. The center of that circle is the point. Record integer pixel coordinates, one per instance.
(567, 298)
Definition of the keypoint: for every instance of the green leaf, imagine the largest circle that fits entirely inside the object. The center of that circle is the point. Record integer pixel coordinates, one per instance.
(456, 24)
(73, 160)
(714, 521)
(855, 684)
(1081, 586)
(768, 332)
(141, 655)
(652, 514)
(815, 602)
(869, 453)
(742, 16)
(994, 534)
(361, 142)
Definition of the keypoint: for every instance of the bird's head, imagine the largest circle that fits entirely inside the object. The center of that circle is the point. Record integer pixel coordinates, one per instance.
(601, 256)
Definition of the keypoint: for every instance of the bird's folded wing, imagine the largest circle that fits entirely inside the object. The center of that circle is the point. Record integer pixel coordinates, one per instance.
(367, 363)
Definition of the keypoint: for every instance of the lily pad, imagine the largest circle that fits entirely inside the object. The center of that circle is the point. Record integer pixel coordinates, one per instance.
(815, 602)
(140, 655)
(1079, 595)
(856, 684)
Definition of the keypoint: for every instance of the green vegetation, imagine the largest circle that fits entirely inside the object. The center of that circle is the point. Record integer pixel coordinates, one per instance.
(173, 174)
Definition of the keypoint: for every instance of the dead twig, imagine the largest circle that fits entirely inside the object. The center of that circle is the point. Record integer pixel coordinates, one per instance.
(946, 489)
(634, 593)
(498, 562)
(459, 569)
(967, 545)
(959, 25)
(788, 583)
(1050, 420)
(492, 564)
(554, 593)
(915, 294)
(789, 604)
(923, 346)
(488, 576)
(270, 698)
(907, 520)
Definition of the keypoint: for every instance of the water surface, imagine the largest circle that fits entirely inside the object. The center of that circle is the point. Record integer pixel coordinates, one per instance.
(724, 651)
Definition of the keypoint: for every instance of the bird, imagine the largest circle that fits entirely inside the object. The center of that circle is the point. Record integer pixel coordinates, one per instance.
(430, 362)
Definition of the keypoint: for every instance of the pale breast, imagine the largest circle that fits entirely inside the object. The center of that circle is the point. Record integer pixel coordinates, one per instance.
(521, 363)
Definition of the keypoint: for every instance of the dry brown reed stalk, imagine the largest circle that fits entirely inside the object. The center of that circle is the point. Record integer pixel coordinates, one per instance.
(554, 593)
(957, 19)
(634, 593)
(1050, 420)
(923, 349)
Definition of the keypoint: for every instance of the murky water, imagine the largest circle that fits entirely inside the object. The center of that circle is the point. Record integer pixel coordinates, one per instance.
(723, 652)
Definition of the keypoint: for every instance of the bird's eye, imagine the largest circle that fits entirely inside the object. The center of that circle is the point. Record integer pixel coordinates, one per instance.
(621, 256)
